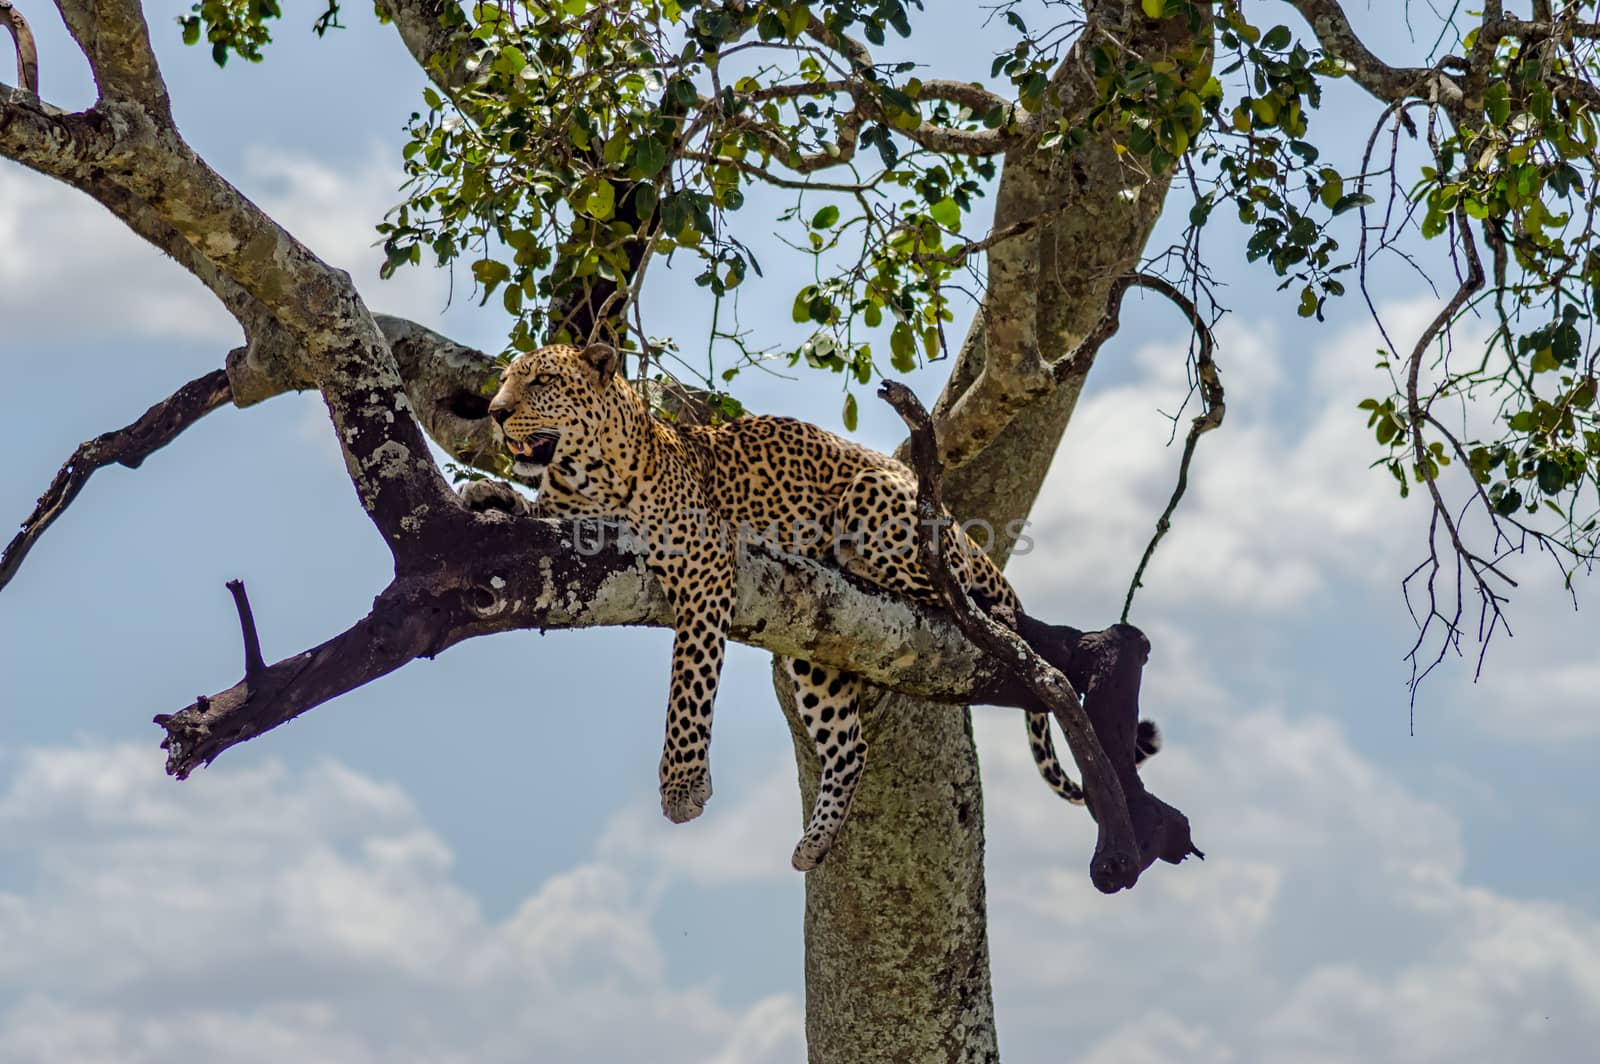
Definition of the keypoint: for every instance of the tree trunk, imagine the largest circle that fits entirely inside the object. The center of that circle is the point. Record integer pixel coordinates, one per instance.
(897, 952)
(897, 949)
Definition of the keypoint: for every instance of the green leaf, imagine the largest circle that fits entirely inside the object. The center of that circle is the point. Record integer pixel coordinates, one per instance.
(602, 202)
(1154, 8)
(1552, 478)
(902, 348)
(1332, 190)
(488, 272)
(649, 156)
(1351, 202)
(644, 200)
(801, 311)
(825, 218)
(947, 213)
(850, 412)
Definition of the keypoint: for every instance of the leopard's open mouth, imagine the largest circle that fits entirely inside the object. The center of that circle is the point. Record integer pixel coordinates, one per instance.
(537, 449)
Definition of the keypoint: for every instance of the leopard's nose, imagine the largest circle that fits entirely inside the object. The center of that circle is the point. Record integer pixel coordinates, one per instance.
(500, 416)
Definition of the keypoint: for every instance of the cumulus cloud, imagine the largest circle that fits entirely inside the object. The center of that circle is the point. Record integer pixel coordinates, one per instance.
(263, 915)
(69, 254)
(1332, 921)
(1280, 503)
(73, 253)
(745, 839)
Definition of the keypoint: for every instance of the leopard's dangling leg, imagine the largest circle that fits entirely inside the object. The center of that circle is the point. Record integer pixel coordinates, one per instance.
(698, 580)
(829, 704)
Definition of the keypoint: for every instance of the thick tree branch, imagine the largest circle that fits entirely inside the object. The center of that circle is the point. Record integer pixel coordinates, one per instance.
(115, 39)
(128, 446)
(126, 147)
(500, 572)
(1390, 83)
(1121, 854)
(982, 413)
(436, 33)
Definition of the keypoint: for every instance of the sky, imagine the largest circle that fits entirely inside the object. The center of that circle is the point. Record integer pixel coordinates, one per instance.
(465, 861)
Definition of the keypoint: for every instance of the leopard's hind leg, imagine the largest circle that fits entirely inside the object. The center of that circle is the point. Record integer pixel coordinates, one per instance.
(829, 703)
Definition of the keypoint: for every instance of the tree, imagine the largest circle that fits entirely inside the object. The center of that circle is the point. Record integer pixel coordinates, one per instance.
(567, 148)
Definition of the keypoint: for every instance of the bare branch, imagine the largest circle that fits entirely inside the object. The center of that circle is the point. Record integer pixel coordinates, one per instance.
(1417, 419)
(128, 446)
(1121, 854)
(22, 40)
(1212, 410)
(254, 667)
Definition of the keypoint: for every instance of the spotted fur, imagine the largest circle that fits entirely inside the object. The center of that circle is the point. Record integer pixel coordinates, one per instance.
(576, 428)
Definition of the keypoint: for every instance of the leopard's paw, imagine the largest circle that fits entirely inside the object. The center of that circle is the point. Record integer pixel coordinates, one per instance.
(813, 847)
(481, 495)
(684, 796)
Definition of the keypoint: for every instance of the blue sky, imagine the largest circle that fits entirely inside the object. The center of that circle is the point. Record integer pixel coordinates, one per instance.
(466, 861)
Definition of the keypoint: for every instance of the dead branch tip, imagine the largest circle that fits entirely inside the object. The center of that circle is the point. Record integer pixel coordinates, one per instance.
(254, 666)
(128, 446)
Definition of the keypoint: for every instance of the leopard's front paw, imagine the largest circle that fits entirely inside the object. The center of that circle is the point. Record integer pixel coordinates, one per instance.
(684, 796)
(481, 495)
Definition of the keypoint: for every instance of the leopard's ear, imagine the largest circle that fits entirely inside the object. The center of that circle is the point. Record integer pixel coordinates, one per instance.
(602, 358)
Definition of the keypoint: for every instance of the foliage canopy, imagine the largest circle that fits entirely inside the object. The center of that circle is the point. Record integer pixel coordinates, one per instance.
(587, 138)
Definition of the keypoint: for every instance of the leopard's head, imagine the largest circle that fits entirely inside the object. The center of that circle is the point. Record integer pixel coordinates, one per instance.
(553, 394)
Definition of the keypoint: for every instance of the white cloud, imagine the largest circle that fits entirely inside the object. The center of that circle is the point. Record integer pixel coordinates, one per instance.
(1330, 922)
(745, 839)
(73, 272)
(262, 915)
(1541, 685)
(69, 254)
(1280, 500)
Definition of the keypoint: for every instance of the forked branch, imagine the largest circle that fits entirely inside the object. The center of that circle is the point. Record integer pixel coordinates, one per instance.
(1125, 848)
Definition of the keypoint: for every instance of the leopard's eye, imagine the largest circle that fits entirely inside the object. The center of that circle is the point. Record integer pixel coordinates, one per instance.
(542, 379)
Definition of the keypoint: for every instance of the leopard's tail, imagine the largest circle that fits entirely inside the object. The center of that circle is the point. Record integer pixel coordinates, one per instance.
(1147, 743)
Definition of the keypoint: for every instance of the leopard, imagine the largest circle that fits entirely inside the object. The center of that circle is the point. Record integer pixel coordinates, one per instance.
(696, 495)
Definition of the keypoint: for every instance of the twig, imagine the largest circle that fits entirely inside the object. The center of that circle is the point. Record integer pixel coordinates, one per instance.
(1119, 857)
(254, 667)
(1212, 413)
(129, 446)
(27, 52)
